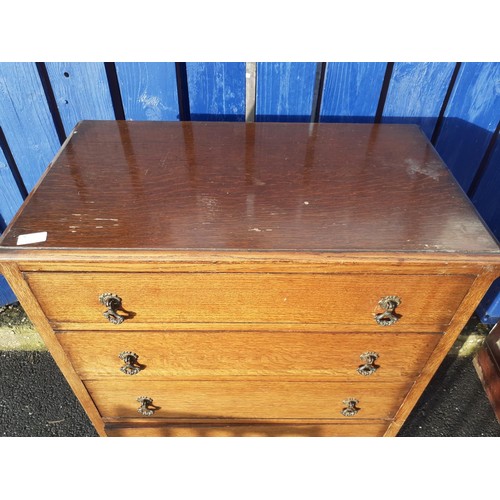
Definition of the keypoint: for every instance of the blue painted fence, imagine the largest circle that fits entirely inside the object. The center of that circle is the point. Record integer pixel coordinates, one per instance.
(457, 105)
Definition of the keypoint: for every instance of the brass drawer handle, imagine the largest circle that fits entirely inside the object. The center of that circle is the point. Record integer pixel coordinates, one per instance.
(368, 368)
(143, 409)
(130, 359)
(351, 409)
(388, 317)
(112, 302)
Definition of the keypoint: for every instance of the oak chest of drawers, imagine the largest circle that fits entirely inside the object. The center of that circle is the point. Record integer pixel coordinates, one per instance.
(231, 279)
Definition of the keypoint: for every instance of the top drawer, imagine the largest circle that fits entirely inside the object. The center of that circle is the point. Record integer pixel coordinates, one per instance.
(71, 300)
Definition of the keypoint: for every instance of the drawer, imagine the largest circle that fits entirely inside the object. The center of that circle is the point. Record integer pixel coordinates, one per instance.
(375, 428)
(228, 354)
(71, 300)
(247, 399)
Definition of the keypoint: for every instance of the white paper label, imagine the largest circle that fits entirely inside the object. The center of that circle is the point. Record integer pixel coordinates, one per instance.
(26, 239)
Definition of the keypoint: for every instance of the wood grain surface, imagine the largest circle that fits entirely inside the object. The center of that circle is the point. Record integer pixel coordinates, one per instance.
(216, 90)
(351, 91)
(284, 91)
(148, 90)
(485, 196)
(416, 93)
(81, 91)
(470, 119)
(254, 186)
(250, 260)
(10, 196)
(26, 120)
(426, 300)
(374, 428)
(218, 355)
(247, 399)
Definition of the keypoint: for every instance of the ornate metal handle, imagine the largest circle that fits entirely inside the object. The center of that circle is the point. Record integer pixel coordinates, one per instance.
(368, 368)
(129, 358)
(351, 409)
(112, 302)
(388, 317)
(143, 409)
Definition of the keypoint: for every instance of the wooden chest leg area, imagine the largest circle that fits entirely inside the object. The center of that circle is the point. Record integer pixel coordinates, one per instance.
(372, 428)
(487, 365)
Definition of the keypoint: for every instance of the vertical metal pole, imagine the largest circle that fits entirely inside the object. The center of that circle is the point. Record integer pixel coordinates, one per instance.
(318, 91)
(251, 74)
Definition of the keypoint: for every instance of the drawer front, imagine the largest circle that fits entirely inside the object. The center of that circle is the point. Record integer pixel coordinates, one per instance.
(69, 299)
(375, 428)
(247, 399)
(221, 354)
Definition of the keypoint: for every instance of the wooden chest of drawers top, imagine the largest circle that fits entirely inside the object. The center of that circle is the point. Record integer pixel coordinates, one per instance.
(250, 187)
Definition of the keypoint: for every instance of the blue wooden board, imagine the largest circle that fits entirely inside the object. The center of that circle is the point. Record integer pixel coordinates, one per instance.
(489, 308)
(487, 195)
(6, 294)
(351, 92)
(470, 119)
(284, 91)
(26, 120)
(10, 197)
(416, 93)
(487, 202)
(216, 91)
(10, 201)
(81, 91)
(148, 90)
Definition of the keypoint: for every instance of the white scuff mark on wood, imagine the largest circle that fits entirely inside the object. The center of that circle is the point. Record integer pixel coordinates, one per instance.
(74, 227)
(99, 227)
(434, 246)
(77, 215)
(432, 169)
(306, 203)
(99, 218)
(256, 229)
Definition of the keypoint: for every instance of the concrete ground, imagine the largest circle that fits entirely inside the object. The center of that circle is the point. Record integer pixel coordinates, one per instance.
(35, 399)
